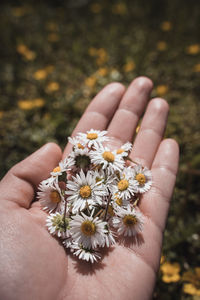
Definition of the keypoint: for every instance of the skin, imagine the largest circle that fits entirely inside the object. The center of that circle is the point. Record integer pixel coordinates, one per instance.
(34, 265)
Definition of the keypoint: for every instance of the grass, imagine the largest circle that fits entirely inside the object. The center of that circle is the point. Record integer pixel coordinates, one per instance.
(56, 56)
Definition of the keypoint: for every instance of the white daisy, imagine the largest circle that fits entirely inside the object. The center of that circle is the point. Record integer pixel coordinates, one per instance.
(80, 158)
(109, 160)
(109, 239)
(93, 137)
(84, 191)
(50, 181)
(76, 142)
(143, 177)
(86, 254)
(58, 225)
(88, 231)
(129, 221)
(50, 197)
(117, 201)
(105, 179)
(124, 149)
(68, 242)
(125, 185)
(62, 167)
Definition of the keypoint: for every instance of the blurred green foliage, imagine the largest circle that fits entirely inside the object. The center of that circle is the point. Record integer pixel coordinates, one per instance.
(56, 55)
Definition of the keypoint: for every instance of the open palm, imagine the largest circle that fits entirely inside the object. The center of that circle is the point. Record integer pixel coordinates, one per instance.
(34, 265)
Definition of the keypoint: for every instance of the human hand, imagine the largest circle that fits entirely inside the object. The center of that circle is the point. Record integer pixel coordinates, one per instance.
(34, 265)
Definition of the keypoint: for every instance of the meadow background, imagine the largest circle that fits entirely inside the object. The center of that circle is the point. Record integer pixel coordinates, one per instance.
(56, 55)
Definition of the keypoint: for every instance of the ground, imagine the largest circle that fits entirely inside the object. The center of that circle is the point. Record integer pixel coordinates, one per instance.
(57, 55)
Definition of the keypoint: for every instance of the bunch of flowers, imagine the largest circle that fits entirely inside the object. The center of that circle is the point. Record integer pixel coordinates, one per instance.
(92, 196)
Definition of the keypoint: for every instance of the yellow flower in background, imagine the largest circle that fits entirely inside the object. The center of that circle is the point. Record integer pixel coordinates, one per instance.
(21, 11)
(190, 289)
(102, 56)
(193, 49)
(52, 26)
(96, 8)
(1, 113)
(26, 52)
(40, 74)
(92, 51)
(38, 102)
(170, 272)
(166, 26)
(162, 46)
(52, 87)
(196, 68)
(162, 259)
(193, 287)
(162, 89)
(119, 8)
(90, 81)
(102, 72)
(129, 66)
(30, 104)
(53, 37)
(22, 49)
(43, 73)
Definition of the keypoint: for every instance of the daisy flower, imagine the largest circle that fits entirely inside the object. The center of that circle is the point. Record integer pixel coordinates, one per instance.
(143, 177)
(68, 242)
(62, 167)
(105, 179)
(50, 197)
(129, 221)
(77, 143)
(109, 239)
(80, 158)
(124, 149)
(109, 160)
(117, 201)
(86, 254)
(49, 181)
(84, 191)
(58, 225)
(94, 137)
(125, 186)
(88, 231)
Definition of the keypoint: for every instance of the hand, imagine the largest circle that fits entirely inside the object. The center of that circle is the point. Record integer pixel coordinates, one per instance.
(34, 265)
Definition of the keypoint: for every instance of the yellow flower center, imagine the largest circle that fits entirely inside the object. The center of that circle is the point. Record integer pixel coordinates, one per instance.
(129, 220)
(85, 191)
(92, 136)
(57, 169)
(80, 146)
(109, 156)
(55, 197)
(88, 228)
(123, 184)
(118, 201)
(140, 178)
(120, 151)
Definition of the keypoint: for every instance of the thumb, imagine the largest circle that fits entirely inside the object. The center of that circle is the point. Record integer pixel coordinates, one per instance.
(21, 181)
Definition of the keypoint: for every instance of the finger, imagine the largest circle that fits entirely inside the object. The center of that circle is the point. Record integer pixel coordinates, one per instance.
(132, 105)
(100, 110)
(155, 203)
(151, 132)
(21, 181)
